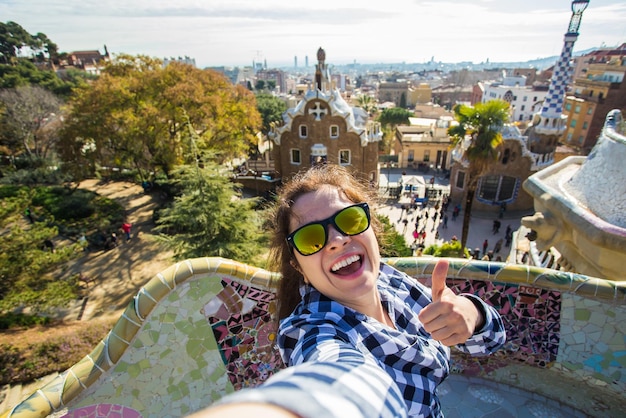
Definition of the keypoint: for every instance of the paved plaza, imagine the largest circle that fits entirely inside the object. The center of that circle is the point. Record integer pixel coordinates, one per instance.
(481, 226)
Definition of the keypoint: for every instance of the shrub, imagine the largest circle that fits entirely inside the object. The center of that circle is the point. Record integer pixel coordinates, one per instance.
(447, 249)
(10, 320)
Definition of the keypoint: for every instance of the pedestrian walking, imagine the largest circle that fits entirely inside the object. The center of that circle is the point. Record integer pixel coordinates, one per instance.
(445, 221)
(498, 246)
(126, 228)
(485, 246)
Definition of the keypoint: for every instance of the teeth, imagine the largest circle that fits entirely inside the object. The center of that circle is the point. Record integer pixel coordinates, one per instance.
(345, 262)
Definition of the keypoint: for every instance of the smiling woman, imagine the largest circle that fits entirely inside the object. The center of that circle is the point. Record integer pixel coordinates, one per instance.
(380, 339)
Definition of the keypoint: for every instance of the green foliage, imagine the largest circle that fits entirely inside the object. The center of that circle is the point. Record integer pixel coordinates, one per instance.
(367, 103)
(134, 117)
(395, 116)
(482, 125)
(271, 109)
(25, 263)
(447, 249)
(392, 243)
(260, 85)
(35, 176)
(10, 320)
(209, 218)
(24, 73)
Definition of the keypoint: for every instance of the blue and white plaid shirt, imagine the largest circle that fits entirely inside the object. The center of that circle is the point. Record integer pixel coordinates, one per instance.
(322, 329)
(346, 364)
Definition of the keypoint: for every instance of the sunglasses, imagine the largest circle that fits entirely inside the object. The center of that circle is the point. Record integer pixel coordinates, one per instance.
(312, 237)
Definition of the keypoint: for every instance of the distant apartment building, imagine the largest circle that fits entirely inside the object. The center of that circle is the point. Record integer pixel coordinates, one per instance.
(431, 111)
(277, 76)
(449, 95)
(524, 100)
(421, 94)
(396, 92)
(424, 144)
(599, 89)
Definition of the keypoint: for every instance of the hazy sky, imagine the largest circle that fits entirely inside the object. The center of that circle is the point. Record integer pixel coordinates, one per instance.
(238, 32)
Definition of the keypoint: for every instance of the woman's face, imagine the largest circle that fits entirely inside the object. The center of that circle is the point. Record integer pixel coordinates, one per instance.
(346, 269)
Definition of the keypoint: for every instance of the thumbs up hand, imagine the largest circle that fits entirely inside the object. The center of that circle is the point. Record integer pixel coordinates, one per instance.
(450, 319)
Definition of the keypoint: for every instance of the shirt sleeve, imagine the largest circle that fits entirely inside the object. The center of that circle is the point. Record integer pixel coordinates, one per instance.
(491, 336)
(336, 382)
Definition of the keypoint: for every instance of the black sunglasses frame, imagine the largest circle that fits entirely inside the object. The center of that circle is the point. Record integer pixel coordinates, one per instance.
(330, 221)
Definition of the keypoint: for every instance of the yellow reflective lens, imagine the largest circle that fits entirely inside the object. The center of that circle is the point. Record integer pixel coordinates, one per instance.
(310, 239)
(352, 220)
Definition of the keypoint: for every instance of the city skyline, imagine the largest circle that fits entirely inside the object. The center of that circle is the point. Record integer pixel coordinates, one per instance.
(241, 32)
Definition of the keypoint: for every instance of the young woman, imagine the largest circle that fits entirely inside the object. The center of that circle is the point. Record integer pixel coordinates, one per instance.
(361, 338)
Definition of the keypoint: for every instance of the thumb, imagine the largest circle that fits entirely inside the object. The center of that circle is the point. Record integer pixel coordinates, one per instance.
(438, 280)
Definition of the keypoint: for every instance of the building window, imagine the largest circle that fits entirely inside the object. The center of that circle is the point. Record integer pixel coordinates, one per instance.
(411, 155)
(304, 132)
(497, 189)
(580, 140)
(577, 109)
(524, 99)
(344, 157)
(506, 156)
(334, 131)
(568, 106)
(569, 137)
(296, 158)
(426, 155)
(523, 108)
(573, 123)
(460, 179)
(590, 111)
(585, 125)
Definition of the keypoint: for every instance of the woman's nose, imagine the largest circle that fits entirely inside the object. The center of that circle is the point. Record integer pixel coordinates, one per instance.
(335, 238)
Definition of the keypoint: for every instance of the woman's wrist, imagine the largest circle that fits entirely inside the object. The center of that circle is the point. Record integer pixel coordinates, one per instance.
(482, 314)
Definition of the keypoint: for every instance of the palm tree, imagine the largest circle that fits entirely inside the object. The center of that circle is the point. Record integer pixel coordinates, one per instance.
(367, 103)
(478, 135)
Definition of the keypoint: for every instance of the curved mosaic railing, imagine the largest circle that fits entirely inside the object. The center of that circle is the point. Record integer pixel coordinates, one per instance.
(202, 328)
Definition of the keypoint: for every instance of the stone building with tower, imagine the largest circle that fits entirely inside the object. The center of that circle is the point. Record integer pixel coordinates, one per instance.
(324, 129)
(522, 155)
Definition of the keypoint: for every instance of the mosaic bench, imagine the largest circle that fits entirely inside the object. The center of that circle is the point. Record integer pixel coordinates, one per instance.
(203, 328)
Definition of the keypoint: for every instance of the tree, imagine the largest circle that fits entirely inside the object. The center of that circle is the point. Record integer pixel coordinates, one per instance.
(209, 218)
(260, 85)
(24, 73)
(135, 116)
(480, 126)
(395, 116)
(13, 37)
(389, 119)
(271, 109)
(393, 244)
(367, 103)
(25, 262)
(31, 117)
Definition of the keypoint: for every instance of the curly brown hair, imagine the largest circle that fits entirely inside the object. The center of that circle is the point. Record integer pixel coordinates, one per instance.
(281, 256)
